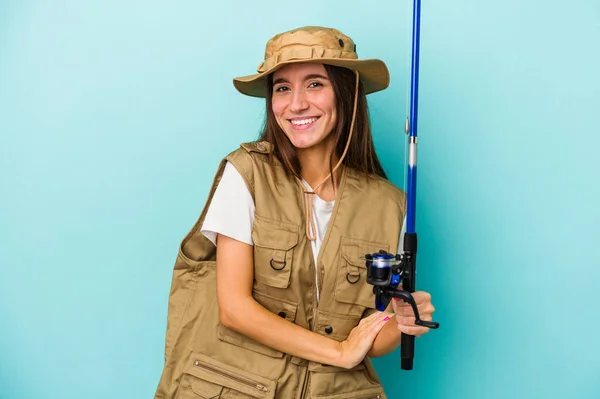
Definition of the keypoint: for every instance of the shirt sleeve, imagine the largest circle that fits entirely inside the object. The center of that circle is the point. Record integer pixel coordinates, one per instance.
(231, 210)
(401, 240)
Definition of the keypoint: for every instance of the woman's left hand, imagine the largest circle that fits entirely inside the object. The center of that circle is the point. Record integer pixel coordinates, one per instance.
(405, 317)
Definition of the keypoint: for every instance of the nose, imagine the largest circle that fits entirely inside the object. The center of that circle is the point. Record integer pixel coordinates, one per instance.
(299, 102)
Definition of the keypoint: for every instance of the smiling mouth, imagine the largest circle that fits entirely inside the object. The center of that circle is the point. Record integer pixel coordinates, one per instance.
(303, 123)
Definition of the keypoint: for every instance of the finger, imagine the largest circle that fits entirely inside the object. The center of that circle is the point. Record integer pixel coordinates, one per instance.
(416, 331)
(400, 306)
(375, 318)
(399, 303)
(385, 316)
(410, 320)
(376, 327)
(406, 322)
(370, 318)
(425, 313)
(369, 330)
(408, 326)
(421, 297)
(381, 316)
(405, 317)
(404, 310)
(427, 308)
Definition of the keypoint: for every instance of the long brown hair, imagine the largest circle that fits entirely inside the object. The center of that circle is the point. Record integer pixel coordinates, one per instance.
(361, 154)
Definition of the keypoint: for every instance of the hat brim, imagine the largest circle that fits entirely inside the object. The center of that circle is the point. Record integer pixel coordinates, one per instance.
(373, 74)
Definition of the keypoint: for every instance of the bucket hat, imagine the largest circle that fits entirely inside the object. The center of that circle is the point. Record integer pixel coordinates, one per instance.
(313, 44)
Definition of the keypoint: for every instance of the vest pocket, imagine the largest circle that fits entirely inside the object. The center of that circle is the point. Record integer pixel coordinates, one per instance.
(204, 376)
(278, 306)
(274, 243)
(195, 388)
(369, 393)
(351, 280)
(336, 326)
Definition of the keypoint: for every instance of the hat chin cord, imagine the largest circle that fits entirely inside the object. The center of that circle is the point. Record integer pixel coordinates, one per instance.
(311, 229)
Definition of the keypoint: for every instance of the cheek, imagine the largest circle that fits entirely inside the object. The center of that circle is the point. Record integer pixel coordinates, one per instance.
(327, 103)
(333, 120)
(277, 105)
(332, 111)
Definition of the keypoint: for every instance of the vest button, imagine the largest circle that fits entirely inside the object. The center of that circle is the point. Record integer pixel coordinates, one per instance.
(281, 314)
(328, 329)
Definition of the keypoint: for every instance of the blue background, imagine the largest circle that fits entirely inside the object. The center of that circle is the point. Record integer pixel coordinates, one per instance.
(114, 115)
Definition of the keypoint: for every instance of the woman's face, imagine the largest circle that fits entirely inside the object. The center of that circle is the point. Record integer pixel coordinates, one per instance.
(304, 104)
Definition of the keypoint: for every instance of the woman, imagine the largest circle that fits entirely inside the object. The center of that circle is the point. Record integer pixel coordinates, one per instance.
(273, 264)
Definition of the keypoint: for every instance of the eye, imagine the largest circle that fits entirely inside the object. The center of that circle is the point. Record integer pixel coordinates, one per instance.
(315, 84)
(281, 89)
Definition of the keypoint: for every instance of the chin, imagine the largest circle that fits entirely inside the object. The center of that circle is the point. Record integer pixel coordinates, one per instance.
(304, 141)
(303, 144)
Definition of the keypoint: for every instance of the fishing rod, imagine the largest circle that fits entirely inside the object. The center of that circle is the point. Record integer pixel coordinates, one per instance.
(386, 271)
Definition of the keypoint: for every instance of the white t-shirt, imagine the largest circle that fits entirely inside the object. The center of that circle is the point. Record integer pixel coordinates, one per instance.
(231, 210)
(231, 213)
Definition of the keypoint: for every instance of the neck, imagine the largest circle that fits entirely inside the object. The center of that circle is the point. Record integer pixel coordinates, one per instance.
(314, 163)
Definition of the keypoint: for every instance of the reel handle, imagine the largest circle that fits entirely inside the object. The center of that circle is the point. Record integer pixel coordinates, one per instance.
(408, 298)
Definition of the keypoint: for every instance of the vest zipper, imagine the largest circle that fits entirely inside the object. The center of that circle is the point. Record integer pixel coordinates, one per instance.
(314, 324)
(252, 384)
(317, 282)
(305, 383)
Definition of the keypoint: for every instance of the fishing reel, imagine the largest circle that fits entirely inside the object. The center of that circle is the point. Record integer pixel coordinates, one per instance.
(385, 271)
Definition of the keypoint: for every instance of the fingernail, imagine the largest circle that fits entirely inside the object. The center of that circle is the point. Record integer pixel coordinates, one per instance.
(386, 318)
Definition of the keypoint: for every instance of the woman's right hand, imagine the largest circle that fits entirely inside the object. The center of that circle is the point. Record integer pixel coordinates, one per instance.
(354, 349)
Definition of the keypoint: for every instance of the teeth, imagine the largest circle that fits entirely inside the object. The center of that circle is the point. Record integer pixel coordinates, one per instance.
(303, 121)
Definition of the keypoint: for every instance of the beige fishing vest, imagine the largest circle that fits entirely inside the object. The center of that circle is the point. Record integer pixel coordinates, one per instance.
(204, 359)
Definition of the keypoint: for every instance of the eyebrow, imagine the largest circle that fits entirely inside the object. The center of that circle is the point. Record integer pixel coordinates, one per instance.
(307, 77)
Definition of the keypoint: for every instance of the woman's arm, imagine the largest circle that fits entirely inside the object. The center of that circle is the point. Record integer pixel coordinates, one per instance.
(388, 338)
(239, 311)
